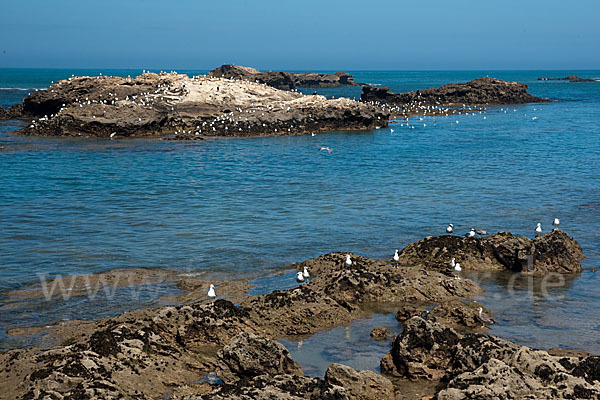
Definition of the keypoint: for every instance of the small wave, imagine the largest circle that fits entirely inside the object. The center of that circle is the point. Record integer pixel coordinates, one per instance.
(6, 89)
(374, 84)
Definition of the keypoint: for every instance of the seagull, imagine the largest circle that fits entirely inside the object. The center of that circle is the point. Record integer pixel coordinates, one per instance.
(452, 263)
(450, 228)
(396, 256)
(300, 276)
(538, 229)
(211, 291)
(471, 233)
(305, 273)
(457, 269)
(326, 148)
(348, 260)
(481, 232)
(112, 135)
(484, 318)
(556, 222)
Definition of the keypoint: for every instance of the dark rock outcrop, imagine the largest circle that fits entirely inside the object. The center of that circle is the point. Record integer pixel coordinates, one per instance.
(486, 367)
(552, 252)
(13, 112)
(177, 106)
(285, 80)
(481, 91)
(570, 78)
(249, 355)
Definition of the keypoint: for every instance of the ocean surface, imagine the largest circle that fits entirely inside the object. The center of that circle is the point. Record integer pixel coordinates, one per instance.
(244, 207)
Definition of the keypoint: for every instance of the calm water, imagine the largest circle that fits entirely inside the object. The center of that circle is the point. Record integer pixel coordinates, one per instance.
(240, 207)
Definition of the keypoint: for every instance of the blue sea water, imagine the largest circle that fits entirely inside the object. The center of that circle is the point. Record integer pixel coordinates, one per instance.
(242, 207)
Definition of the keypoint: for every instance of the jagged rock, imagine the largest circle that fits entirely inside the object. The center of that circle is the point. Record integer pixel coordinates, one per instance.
(380, 333)
(458, 315)
(552, 252)
(570, 78)
(280, 387)
(407, 312)
(285, 80)
(177, 106)
(477, 366)
(481, 91)
(13, 112)
(249, 355)
(361, 385)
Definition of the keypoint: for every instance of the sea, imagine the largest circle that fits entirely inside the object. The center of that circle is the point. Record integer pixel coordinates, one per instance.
(247, 208)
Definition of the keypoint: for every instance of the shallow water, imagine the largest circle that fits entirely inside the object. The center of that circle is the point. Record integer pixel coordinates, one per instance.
(241, 207)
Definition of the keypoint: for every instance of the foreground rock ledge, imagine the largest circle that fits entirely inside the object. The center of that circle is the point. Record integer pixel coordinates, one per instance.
(478, 366)
(175, 105)
(481, 91)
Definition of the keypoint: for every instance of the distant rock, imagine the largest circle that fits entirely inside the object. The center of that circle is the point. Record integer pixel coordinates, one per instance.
(285, 80)
(177, 106)
(477, 366)
(13, 112)
(552, 252)
(481, 91)
(570, 78)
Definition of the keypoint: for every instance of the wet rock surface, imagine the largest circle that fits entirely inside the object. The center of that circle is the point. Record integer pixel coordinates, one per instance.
(482, 366)
(285, 80)
(552, 252)
(177, 106)
(481, 91)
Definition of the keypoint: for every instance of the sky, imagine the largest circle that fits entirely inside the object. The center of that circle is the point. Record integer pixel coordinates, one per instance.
(301, 35)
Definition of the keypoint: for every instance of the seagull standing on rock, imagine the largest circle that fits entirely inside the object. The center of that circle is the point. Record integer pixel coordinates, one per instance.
(538, 229)
(396, 256)
(300, 276)
(457, 269)
(348, 260)
(211, 291)
(556, 222)
(471, 233)
(450, 228)
(305, 274)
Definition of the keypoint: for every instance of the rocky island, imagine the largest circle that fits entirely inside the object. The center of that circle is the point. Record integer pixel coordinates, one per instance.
(285, 80)
(170, 352)
(570, 78)
(481, 91)
(171, 105)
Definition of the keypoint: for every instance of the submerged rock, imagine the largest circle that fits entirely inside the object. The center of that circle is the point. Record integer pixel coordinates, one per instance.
(481, 91)
(552, 252)
(483, 366)
(285, 80)
(177, 106)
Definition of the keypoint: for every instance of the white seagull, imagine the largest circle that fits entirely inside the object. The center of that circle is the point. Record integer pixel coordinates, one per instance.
(396, 256)
(556, 222)
(348, 260)
(450, 228)
(452, 263)
(457, 269)
(326, 148)
(211, 291)
(471, 233)
(538, 229)
(305, 273)
(299, 276)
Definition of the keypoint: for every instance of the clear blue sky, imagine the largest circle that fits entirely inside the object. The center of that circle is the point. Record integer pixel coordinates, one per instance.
(301, 35)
